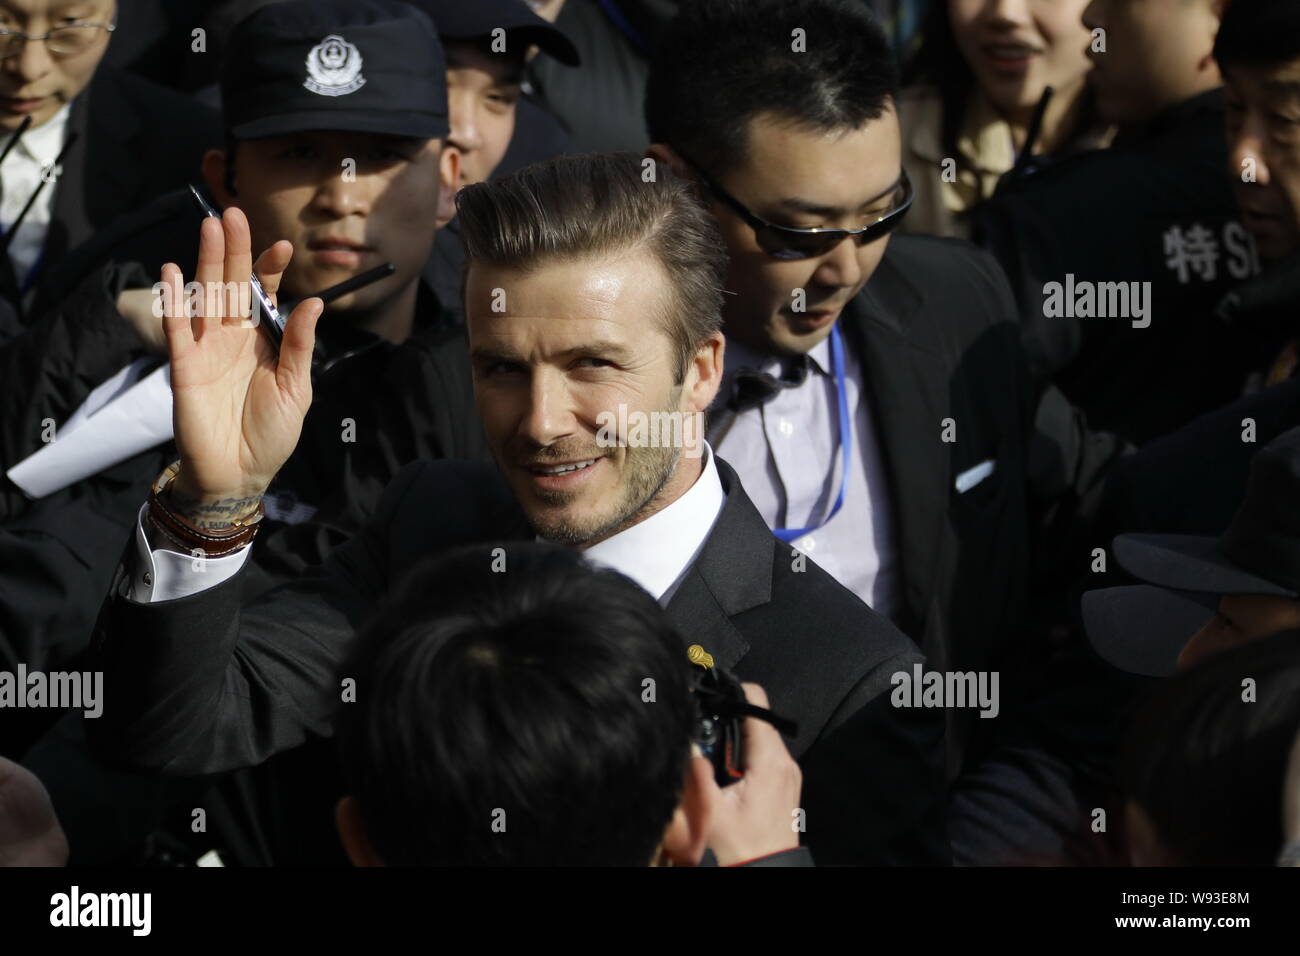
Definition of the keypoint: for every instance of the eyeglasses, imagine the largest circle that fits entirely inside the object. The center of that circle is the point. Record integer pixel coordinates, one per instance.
(785, 242)
(67, 40)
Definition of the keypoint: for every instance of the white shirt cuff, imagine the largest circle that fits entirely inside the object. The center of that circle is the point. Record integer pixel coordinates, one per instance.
(163, 575)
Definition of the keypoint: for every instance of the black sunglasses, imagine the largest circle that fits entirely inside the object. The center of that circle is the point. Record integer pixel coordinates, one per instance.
(784, 242)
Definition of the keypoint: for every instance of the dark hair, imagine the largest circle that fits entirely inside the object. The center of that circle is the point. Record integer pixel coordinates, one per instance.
(1258, 33)
(939, 62)
(1207, 767)
(597, 206)
(723, 62)
(513, 680)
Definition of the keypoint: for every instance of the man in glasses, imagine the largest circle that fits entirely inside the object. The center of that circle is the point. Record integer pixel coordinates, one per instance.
(874, 399)
(97, 142)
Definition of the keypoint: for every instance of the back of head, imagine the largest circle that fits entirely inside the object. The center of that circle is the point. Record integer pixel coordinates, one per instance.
(1206, 755)
(599, 206)
(823, 65)
(503, 715)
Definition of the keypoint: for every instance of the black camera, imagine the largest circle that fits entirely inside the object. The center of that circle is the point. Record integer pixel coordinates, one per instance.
(719, 706)
(720, 711)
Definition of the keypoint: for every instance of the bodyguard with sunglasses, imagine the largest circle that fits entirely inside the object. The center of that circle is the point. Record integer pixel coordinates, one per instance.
(875, 400)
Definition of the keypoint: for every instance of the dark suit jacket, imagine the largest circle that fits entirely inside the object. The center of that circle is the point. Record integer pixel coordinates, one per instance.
(200, 684)
(935, 333)
(135, 141)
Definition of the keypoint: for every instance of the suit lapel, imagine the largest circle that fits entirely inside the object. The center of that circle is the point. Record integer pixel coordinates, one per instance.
(732, 573)
(106, 124)
(700, 619)
(906, 380)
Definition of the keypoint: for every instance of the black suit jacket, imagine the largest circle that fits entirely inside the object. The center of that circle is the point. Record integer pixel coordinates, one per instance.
(936, 334)
(199, 685)
(934, 331)
(135, 141)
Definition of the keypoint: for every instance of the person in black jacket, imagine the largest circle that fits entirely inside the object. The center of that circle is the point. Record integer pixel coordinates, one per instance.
(391, 386)
(916, 337)
(616, 305)
(127, 140)
(1118, 256)
(1166, 486)
(493, 125)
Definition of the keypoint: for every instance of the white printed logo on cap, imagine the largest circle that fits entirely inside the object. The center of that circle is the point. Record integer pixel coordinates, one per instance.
(334, 67)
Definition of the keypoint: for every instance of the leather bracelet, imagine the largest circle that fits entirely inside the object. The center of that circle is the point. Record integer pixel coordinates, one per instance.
(195, 548)
(191, 539)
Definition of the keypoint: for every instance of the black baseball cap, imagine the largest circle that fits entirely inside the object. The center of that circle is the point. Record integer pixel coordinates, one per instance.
(1258, 554)
(365, 66)
(471, 19)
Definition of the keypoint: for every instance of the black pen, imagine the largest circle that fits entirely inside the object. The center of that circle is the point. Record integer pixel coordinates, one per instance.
(349, 285)
(18, 134)
(274, 326)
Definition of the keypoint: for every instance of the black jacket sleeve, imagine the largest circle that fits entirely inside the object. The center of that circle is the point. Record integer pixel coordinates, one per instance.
(873, 791)
(47, 371)
(202, 685)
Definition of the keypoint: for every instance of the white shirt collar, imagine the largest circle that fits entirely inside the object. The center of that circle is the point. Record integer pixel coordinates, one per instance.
(42, 145)
(656, 552)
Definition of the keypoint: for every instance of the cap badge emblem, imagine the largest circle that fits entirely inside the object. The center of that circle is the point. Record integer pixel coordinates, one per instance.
(334, 67)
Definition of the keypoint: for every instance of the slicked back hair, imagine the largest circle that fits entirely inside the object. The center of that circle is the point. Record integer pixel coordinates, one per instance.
(724, 62)
(600, 206)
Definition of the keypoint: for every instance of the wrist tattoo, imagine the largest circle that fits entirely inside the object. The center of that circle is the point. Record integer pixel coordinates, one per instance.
(217, 515)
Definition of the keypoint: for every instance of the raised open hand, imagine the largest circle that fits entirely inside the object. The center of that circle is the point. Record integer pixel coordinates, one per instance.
(239, 406)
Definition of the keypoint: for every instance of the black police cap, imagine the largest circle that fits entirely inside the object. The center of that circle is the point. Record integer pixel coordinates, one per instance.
(1142, 629)
(475, 19)
(366, 66)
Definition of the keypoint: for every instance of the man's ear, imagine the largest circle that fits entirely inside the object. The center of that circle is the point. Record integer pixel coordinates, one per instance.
(352, 834)
(448, 184)
(704, 375)
(214, 168)
(687, 833)
(665, 154)
(1215, 10)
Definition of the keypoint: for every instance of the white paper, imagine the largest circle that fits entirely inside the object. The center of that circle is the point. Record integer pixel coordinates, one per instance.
(115, 423)
(105, 393)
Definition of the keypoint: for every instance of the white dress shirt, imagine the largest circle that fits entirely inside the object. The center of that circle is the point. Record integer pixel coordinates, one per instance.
(787, 454)
(655, 553)
(20, 175)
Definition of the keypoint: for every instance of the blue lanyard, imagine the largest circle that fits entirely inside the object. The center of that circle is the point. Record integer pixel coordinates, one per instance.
(846, 440)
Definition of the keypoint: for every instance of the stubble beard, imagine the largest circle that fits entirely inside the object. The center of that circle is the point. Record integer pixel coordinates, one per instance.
(648, 471)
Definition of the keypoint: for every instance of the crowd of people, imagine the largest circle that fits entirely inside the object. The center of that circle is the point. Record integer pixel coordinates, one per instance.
(923, 373)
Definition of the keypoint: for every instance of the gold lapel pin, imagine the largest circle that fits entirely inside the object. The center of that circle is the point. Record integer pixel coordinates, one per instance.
(698, 655)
